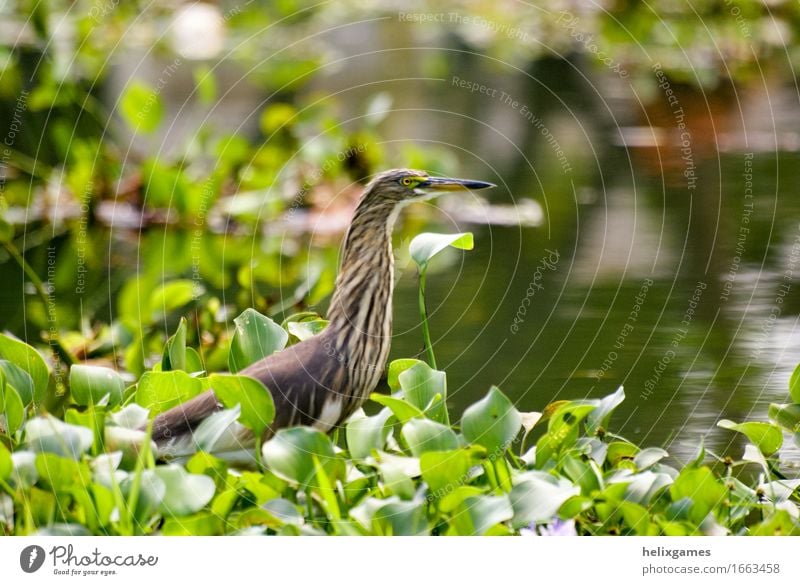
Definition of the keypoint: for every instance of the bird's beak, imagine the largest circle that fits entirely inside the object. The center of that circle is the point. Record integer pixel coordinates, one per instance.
(446, 184)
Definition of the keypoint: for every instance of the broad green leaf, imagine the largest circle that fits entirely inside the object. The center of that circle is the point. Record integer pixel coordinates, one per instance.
(303, 330)
(401, 518)
(478, 514)
(61, 473)
(426, 389)
(185, 493)
(396, 368)
(766, 436)
(425, 246)
(291, 452)
(444, 471)
(90, 384)
(171, 296)
(24, 474)
(699, 485)
(786, 415)
(160, 391)
(619, 451)
(256, 337)
(398, 473)
(402, 410)
(492, 422)
(257, 407)
(150, 494)
(174, 357)
(649, 457)
(19, 379)
(794, 385)
(598, 417)
(538, 496)
(423, 435)
(48, 434)
(563, 428)
(141, 107)
(24, 356)
(201, 524)
(6, 464)
(367, 433)
(12, 411)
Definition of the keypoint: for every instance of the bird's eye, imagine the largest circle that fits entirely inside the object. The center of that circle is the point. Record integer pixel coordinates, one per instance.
(407, 181)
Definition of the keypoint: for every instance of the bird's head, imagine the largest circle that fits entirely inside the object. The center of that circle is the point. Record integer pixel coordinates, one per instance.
(405, 185)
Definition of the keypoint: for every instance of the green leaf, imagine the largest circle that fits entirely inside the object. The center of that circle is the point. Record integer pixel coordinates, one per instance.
(492, 422)
(174, 357)
(444, 471)
(794, 385)
(538, 496)
(291, 452)
(396, 368)
(6, 231)
(478, 514)
(19, 379)
(699, 485)
(400, 518)
(172, 296)
(141, 107)
(24, 356)
(401, 409)
(48, 434)
(649, 457)
(6, 463)
(605, 407)
(367, 433)
(160, 391)
(205, 84)
(425, 246)
(185, 493)
(423, 435)
(303, 330)
(12, 411)
(426, 389)
(766, 436)
(257, 407)
(61, 473)
(202, 524)
(256, 337)
(786, 415)
(90, 384)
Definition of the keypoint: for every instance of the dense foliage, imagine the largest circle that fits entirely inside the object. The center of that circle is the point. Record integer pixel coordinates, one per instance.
(406, 469)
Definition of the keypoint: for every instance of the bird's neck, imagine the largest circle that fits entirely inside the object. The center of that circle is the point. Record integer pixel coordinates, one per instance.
(360, 313)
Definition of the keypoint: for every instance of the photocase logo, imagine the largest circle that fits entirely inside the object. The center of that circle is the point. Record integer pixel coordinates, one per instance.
(31, 558)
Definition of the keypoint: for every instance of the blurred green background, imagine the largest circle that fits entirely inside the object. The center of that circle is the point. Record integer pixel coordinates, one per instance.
(645, 231)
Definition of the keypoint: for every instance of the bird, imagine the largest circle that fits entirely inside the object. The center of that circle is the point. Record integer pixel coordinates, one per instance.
(321, 381)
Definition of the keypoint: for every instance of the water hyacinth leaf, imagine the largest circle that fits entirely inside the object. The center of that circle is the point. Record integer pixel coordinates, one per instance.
(48, 434)
(171, 296)
(426, 389)
(141, 107)
(150, 494)
(60, 473)
(786, 415)
(185, 493)
(492, 422)
(424, 435)
(538, 496)
(257, 407)
(303, 330)
(91, 384)
(425, 246)
(397, 474)
(174, 357)
(24, 474)
(400, 518)
(213, 433)
(365, 433)
(598, 417)
(6, 463)
(131, 416)
(160, 391)
(444, 471)
(698, 485)
(202, 524)
(396, 368)
(25, 357)
(19, 379)
(255, 337)
(284, 510)
(128, 442)
(402, 410)
(766, 436)
(794, 385)
(648, 457)
(563, 428)
(12, 411)
(478, 514)
(291, 453)
(619, 451)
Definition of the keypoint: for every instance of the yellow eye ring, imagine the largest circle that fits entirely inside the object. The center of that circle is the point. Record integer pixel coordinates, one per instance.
(407, 181)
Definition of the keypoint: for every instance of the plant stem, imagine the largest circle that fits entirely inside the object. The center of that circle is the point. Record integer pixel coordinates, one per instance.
(423, 313)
